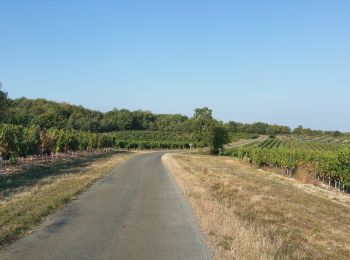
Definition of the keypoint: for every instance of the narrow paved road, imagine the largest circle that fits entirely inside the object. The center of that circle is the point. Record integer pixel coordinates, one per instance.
(135, 212)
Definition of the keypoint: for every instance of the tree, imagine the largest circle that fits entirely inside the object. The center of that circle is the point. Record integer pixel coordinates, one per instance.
(203, 114)
(233, 126)
(337, 133)
(3, 104)
(276, 129)
(208, 131)
(170, 123)
(259, 128)
(298, 130)
(220, 136)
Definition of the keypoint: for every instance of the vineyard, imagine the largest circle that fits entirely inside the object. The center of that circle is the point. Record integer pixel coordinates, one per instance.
(324, 139)
(18, 141)
(155, 136)
(234, 137)
(299, 143)
(326, 161)
(145, 140)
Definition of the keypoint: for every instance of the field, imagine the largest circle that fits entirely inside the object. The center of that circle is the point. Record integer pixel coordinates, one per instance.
(18, 143)
(305, 143)
(248, 213)
(234, 137)
(322, 159)
(154, 139)
(243, 208)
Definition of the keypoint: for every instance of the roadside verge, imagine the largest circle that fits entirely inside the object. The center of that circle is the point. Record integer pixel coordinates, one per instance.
(27, 197)
(247, 213)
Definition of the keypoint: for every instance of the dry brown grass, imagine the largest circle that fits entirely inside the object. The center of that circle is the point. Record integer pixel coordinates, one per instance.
(25, 198)
(248, 213)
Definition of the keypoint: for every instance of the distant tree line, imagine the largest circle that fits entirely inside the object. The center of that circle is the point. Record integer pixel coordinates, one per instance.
(48, 114)
(307, 131)
(42, 114)
(257, 128)
(63, 116)
(264, 128)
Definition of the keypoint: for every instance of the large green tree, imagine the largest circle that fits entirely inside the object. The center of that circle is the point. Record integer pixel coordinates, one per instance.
(208, 131)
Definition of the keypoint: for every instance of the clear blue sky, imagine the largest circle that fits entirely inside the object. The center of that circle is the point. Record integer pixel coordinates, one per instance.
(285, 62)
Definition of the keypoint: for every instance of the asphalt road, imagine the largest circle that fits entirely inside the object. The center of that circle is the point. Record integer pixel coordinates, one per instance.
(136, 212)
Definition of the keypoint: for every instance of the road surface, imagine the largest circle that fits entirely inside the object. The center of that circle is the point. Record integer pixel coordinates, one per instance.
(136, 212)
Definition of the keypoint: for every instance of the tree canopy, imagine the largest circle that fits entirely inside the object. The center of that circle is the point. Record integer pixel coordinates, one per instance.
(3, 103)
(47, 114)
